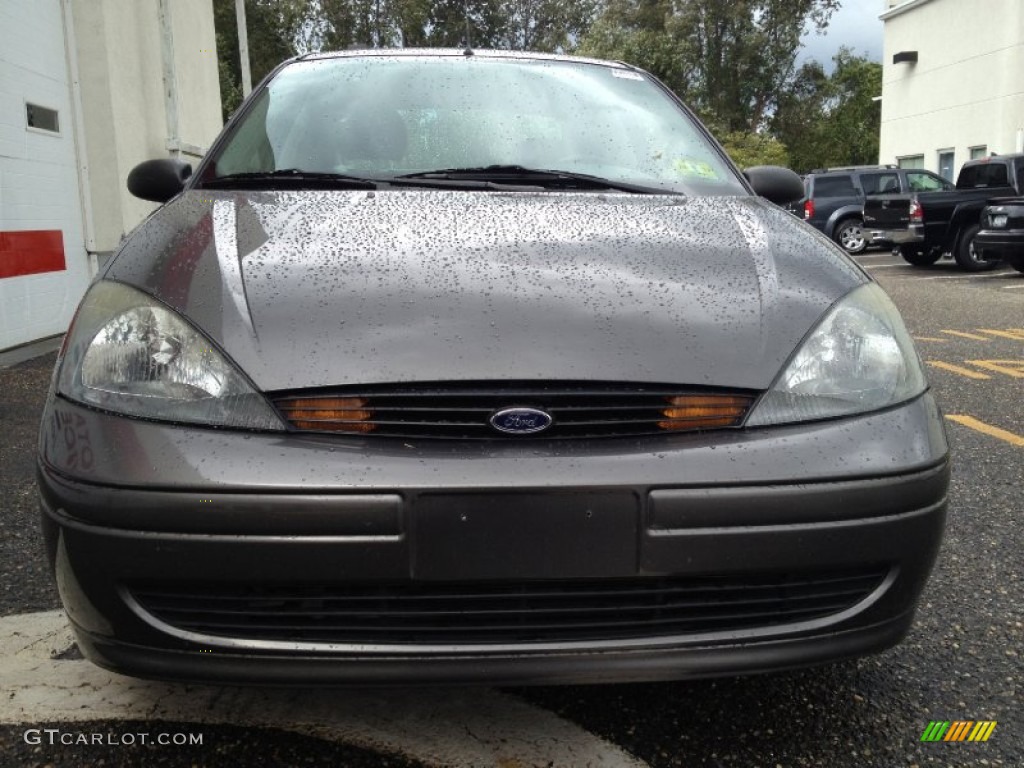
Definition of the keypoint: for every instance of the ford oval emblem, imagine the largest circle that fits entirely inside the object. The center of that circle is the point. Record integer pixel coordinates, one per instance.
(520, 421)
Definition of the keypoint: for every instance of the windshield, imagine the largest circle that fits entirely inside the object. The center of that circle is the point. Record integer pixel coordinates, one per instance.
(381, 117)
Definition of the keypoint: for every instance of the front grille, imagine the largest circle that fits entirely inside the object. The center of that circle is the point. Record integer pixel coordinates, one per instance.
(492, 613)
(464, 411)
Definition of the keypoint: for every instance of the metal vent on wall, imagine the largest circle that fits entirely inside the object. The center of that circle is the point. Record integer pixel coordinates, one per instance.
(42, 118)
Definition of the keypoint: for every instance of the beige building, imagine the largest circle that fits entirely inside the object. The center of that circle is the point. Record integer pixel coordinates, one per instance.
(88, 89)
(953, 82)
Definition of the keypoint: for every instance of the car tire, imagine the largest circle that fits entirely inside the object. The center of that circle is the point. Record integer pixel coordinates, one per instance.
(1017, 263)
(849, 233)
(967, 256)
(919, 258)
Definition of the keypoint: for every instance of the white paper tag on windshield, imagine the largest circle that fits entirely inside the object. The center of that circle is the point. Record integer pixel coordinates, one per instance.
(626, 74)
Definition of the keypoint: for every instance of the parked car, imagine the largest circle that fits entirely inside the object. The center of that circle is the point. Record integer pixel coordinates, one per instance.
(1002, 231)
(928, 224)
(458, 366)
(833, 198)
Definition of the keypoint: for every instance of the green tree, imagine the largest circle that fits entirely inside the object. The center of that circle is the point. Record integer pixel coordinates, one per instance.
(728, 60)
(447, 22)
(747, 149)
(359, 23)
(546, 25)
(275, 29)
(279, 29)
(828, 121)
(854, 118)
(642, 32)
(540, 25)
(799, 118)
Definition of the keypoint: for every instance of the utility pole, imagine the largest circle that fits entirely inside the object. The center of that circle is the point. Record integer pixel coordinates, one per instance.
(243, 47)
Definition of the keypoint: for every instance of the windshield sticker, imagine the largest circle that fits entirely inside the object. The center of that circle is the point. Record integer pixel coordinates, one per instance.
(626, 74)
(687, 166)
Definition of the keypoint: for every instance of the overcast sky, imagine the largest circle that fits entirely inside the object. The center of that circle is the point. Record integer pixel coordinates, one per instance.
(855, 25)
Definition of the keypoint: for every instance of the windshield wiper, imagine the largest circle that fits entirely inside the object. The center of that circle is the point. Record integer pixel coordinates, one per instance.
(514, 178)
(292, 178)
(296, 178)
(544, 177)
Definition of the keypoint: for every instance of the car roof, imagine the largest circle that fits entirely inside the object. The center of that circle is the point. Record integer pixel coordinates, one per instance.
(462, 52)
(858, 169)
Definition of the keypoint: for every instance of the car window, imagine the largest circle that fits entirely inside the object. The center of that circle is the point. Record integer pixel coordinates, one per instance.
(385, 116)
(920, 181)
(880, 183)
(983, 175)
(834, 186)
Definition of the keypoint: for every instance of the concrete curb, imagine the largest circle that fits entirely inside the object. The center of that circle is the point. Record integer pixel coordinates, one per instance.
(456, 728)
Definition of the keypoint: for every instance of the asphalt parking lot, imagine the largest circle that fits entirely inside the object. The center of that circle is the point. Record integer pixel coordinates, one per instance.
(961, 662)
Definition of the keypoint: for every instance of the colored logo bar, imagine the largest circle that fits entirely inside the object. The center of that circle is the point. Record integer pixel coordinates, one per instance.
(958, 730)
(31, 252)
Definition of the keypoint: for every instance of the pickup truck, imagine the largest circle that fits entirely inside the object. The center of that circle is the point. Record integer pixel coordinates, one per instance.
(925, 225)
(1002, 231)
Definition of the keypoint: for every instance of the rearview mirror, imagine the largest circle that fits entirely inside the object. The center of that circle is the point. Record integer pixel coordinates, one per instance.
(159, 180)
(774, 183)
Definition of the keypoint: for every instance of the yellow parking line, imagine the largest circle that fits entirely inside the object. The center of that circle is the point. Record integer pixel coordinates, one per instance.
(1012, 368)
(965, 335)
(929, 338)
(1009, 333)
(957, 369)
(988, 429)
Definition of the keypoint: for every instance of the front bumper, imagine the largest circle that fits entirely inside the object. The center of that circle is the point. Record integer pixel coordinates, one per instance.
(129, 507)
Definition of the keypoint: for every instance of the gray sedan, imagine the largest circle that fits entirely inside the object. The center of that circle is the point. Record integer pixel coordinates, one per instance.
(453, 366)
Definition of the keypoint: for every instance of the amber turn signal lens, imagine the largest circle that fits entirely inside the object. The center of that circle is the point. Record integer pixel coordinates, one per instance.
(704, 411)
(329, 414)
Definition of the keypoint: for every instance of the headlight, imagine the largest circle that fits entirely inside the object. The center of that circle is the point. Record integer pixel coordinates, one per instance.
(860, 358)
(130, 354)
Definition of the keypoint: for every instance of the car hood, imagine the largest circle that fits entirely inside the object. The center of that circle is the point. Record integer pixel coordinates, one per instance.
(326, 288)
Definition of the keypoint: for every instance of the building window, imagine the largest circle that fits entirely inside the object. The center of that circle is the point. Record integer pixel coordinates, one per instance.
(979, 152)
(946, 161)
(41, 118)
(911, 161)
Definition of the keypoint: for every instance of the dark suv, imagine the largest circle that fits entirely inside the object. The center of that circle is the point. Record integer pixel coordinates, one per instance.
(834, 197)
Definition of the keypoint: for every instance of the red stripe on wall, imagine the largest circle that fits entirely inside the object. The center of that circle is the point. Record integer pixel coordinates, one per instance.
(30, 252)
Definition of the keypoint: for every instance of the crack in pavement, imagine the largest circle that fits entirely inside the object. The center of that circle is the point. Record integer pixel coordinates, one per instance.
(455, 728)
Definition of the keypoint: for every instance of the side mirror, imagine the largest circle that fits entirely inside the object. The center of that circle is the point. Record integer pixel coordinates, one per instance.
(779, 185)
(158, 180)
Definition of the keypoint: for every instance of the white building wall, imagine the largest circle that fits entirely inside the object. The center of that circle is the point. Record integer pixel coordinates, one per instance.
(195, 65)
(131, 80)
(127, 113)
(39, 198)
(965, 89)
